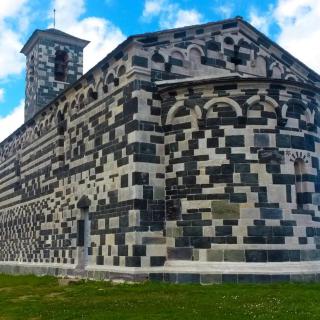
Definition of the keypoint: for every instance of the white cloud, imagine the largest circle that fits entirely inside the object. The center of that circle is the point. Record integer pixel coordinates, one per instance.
(12, 61)
(261, 22)
(12, 121)
(225, 10)
(67, 12)
(152, 8)
(1, 94)
(102, 34)
(184, 18)
(11, 8)
(170, 14)
(299, 22)
(12, 17)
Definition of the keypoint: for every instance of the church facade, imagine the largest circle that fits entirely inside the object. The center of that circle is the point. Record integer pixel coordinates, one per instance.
(185, 155)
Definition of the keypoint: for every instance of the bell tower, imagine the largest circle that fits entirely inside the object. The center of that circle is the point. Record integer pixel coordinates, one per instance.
(54, 60)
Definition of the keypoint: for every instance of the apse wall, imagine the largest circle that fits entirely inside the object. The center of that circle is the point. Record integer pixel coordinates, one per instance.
(242, 171)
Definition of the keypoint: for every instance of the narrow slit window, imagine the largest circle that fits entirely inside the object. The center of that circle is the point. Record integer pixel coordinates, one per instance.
(299, 169)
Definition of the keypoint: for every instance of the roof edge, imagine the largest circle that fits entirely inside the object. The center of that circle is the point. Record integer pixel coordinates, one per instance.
(60, 34)
(250, 26)
(229, 20)
(133, 37)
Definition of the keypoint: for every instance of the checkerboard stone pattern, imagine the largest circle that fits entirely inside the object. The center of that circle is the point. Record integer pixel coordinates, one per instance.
(195, 145)
(232, 187)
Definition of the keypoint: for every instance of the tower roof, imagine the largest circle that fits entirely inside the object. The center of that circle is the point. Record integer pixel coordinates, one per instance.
(53, 34)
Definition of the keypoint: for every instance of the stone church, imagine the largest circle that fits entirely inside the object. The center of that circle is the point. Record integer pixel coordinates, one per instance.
(185, 155)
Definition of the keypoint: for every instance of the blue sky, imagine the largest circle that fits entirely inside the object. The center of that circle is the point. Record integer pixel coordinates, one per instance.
(294, 24)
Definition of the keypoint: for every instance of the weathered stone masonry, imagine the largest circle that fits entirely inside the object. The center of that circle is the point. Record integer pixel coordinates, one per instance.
(54, 61)
(185, 155)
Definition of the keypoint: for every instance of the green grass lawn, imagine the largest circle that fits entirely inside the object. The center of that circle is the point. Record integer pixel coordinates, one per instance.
(29, 297)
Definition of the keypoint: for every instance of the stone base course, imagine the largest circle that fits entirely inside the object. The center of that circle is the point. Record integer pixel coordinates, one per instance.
(181, 272)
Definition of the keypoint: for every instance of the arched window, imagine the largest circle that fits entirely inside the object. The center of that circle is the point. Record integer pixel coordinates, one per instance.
(221, 110)
(91, 95)
(228, 40)
(276, 72)
(158, 63)
(177, 55)
(60, 66)
(181, 117)
(296, 110)
(220, 113)
(299, 170)
(121, 71)
(195, 57)
(99, 89)
(158, 58)
(262, 113)
(110, 78)
(261, 66)
(298, 115)
(176, 59)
